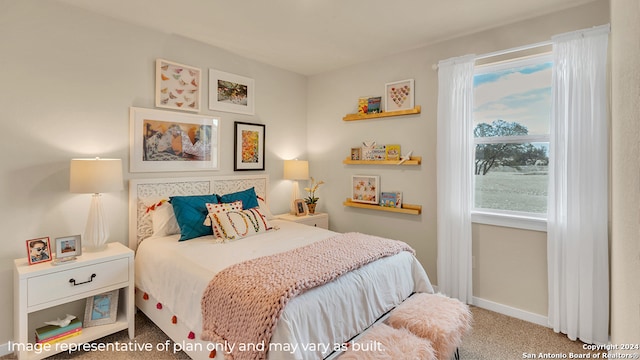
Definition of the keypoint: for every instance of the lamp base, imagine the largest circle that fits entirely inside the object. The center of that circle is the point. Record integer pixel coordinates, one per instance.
(96, 233)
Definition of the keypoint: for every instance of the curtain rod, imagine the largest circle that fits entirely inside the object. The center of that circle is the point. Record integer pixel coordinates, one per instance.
(507, 51)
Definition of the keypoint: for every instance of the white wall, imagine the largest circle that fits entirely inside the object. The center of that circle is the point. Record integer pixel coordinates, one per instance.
(625, 226)
(511, 264)
(68, 80)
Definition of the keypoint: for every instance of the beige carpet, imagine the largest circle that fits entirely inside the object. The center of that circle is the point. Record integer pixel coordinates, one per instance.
(494, 337)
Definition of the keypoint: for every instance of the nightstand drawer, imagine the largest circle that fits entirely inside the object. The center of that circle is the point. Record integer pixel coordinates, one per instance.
(318, 221)
(58, 285)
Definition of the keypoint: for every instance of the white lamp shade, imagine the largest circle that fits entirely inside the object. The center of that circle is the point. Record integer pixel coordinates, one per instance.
(95, 175)
(296, 169)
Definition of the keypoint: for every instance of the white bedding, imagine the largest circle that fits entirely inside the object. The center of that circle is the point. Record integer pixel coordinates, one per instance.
(177, 273)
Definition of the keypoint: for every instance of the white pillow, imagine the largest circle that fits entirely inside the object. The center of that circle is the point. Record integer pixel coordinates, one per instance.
(219, 209)
(163, 219)
(236, 225)
(264, 208)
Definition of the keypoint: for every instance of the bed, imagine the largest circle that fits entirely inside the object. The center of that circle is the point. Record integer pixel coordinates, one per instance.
(173, 275)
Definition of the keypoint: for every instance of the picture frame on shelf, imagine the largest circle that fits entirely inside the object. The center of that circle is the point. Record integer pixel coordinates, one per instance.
(68, 248)
(356, 153)
(101, 309)
(300, 207)
(365, 189)
(38, 250)
(399, 95)
(171, 141)
(231, 93)
(248, 146)
(177, 86)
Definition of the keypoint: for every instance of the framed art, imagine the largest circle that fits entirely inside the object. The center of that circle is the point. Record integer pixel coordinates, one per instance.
(38, 250)
(365, 189)
(356, 153)
(171, 141)
(231, 92)
(399, 95)
(101, 309)
(177, 86)
(300, 207)
(248, 146)
(67, 248)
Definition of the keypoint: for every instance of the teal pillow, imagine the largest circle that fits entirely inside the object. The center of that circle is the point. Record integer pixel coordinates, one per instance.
(248, 198)
(190, 213)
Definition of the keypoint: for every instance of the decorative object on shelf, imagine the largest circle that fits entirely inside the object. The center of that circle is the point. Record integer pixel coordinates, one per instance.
(365, 189)
(392, 152)
(231, 93)
(101, 309)
(399, 95)
(58, 330)
(95, 176)
(373, 105)
(405, 158)
(295, 170)
(356, 153)
(363, 104)
(68, 248)
(312, 199)
(248, 146)
(177, 86)
(171, 141)
(38, 250)
(300, 207)
(391, 199)
(372, 151)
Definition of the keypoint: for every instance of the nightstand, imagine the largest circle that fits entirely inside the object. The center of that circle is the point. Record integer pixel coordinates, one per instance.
(42, 286)
(320, 220)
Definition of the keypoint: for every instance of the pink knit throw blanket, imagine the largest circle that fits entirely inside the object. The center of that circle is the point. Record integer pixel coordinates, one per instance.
(242, 303)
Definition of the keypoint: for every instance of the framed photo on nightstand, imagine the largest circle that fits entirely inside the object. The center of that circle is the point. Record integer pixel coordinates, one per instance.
(101, 309)
(67, 248)
(38, 250)
(300, 207)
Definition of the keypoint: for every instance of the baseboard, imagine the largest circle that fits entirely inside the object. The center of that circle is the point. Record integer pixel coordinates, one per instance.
(511, 311)
(4, 349)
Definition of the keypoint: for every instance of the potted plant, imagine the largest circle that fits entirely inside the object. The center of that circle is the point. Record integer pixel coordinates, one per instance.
(312, 199)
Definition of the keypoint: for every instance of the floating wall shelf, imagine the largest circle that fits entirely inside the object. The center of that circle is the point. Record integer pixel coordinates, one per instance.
(354, 117)
(405, 209)
(413, 160)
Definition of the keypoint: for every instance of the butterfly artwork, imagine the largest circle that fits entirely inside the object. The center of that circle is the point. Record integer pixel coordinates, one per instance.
(177, 85)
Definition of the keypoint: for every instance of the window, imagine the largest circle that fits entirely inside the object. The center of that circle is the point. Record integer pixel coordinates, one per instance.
(511, 121)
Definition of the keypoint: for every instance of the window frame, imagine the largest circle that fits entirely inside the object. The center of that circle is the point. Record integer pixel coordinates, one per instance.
(497, 217)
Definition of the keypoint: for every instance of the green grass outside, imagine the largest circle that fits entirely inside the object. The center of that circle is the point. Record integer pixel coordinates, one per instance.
(509, 189)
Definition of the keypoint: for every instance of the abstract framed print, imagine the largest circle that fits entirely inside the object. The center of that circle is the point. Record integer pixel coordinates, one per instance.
(248, 146)
(231, 92)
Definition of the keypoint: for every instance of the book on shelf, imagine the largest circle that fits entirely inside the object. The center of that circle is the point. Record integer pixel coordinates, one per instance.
(375, 152)
(391, 199)
(48, 331)
(373, 105)
(393, 152)
(363, 104)
(60, 337)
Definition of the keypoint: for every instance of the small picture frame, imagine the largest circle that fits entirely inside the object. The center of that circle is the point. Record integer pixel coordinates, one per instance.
(365, 189)
(38, 250)
(248, 146)
(177, 86)
(399, 95)
(231, 93)
(300, 207)
(356, 153)
(67, 248)
(101, 309)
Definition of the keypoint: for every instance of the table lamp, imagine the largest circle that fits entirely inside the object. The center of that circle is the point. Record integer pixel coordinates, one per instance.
(295, 170)
(95, 176)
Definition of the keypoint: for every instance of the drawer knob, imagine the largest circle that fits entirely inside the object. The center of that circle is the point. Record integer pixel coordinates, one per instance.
(73, 281)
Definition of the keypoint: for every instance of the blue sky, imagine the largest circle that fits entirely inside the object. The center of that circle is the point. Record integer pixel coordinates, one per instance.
(521, 94)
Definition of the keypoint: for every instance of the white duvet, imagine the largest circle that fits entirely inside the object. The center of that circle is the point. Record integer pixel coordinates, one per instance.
(313, 323)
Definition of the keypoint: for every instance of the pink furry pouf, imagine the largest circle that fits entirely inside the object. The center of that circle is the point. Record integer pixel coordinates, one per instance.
(440, 319)
(383, 342)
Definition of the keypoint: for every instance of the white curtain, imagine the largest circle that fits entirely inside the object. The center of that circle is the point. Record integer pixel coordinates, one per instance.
(577, 237)
(454, 171)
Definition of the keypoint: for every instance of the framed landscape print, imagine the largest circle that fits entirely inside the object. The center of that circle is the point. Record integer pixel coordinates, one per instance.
(248, 145)
(101, 309)
(365, 189)
(399, 95)
(177, 86)
(171, 141)
(231, 92)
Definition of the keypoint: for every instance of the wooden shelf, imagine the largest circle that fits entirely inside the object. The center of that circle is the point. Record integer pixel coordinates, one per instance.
(405, 209)
(413, 160)
(354, 117)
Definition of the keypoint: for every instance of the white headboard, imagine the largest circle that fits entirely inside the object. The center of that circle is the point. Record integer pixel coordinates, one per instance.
(139, 224)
